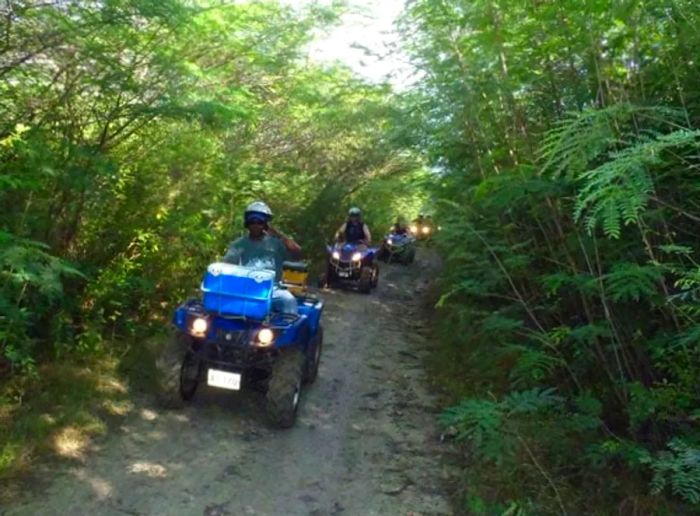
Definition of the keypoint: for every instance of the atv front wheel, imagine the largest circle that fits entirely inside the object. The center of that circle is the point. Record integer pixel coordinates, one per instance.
(169, 366)
(190, 374)
(313, 357)
(375, 275)
(409, 256)
(366, 279)
(284, 389)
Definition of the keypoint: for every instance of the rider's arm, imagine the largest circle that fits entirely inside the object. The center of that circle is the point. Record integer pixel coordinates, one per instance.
(368, 235)
(341, 231)
(292, 247)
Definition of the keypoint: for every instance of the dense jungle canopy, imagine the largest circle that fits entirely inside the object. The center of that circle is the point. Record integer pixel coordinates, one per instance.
(555, 141)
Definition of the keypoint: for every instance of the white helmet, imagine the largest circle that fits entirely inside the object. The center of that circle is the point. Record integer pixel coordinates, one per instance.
(354, 211)
(257, 209)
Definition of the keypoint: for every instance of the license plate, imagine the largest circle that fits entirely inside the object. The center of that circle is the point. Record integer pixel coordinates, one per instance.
(224, 380)
(344, 274)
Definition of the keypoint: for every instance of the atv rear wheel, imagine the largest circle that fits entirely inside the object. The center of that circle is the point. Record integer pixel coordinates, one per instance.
(169, 367)
(284, 389)
(366, 279)
(313, 357)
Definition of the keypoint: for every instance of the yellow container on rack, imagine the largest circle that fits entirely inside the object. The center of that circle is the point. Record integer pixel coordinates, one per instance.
(295, 276)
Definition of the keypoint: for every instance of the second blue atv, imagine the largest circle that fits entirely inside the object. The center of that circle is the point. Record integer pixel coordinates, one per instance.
(398, 247)
(232, 339)
(351, 264)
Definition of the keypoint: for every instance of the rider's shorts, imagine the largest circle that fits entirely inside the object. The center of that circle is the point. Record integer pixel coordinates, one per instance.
(283, 301)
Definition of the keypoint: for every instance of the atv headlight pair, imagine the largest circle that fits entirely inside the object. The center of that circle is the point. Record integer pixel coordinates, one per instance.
(355, 257)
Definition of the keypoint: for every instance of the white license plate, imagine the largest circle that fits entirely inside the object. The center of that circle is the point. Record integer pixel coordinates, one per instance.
(344, 274)
(224, 380)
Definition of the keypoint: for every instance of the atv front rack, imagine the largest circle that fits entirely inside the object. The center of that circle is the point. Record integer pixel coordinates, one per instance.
(280, 321)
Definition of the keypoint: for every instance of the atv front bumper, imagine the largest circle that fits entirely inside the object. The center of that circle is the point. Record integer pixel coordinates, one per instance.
(346, 270)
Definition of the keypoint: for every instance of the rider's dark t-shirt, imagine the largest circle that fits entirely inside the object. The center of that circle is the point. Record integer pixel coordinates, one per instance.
(354, 231)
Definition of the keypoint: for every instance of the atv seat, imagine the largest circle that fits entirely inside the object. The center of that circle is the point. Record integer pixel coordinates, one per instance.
(296, 266)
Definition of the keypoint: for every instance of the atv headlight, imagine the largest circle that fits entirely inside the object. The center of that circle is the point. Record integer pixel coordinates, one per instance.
(426, 230)
(414, 229)
(265, 337)
(357, 257)
(200, 326)
(336, 255)
(390, 241)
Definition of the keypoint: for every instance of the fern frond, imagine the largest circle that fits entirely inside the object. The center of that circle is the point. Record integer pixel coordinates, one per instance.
(678, 468)
(533, 365)
(618, 191)
(632, 282)
(577, 140)
(533, 400)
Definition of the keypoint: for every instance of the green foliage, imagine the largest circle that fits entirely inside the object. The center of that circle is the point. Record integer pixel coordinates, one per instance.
(132, 135)
(619, 190)
(32, 286)
(484, 423)
(131, 140)
(632, 282)
(533, 365)
(678, 468)
(566, 139)
(556, 142)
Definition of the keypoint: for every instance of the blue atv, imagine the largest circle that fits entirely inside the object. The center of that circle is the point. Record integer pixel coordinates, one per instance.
(351, 264)
(398, 247)
(233, 339)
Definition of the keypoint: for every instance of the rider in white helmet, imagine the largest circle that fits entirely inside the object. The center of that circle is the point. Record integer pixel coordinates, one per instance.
(354, 230)
(265, 248)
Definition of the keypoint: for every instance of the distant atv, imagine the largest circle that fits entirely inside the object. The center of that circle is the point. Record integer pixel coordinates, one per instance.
(422, 230)
(232, 339)
(399, 247)
(351, 265)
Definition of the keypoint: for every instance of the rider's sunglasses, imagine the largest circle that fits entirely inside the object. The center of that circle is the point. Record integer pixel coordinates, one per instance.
(256, 222)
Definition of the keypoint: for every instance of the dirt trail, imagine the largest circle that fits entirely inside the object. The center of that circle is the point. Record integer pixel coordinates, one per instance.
(365, 442)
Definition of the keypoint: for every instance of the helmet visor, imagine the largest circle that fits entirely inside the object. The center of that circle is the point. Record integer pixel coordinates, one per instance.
(256, 218)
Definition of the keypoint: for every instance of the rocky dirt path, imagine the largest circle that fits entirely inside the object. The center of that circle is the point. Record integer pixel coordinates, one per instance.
(365, 442)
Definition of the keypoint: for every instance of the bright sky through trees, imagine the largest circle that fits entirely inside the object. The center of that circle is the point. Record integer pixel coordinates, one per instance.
(366, 40)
